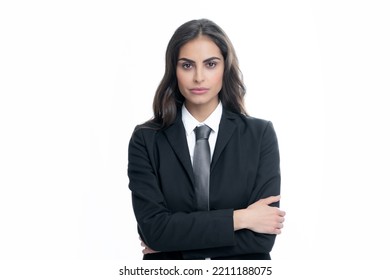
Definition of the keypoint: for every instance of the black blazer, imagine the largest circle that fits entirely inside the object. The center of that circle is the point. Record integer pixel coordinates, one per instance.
(244, 169)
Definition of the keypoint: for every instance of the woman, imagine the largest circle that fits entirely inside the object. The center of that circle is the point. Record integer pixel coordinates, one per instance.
(186, 207)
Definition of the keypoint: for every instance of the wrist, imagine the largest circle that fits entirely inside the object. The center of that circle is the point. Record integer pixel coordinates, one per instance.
(239, 219)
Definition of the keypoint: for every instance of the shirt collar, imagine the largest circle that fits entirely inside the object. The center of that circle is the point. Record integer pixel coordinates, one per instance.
(190, 123)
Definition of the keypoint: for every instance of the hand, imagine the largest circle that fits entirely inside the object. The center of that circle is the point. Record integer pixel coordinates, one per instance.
(146, 249)
(260, 217)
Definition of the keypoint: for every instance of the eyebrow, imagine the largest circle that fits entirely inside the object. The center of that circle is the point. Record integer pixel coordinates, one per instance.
(206, 60)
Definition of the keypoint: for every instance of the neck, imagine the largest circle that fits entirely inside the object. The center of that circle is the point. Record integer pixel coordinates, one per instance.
(201, 113)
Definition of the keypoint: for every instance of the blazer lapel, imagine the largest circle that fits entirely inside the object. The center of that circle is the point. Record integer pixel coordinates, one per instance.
(176, 136)
(226, 129)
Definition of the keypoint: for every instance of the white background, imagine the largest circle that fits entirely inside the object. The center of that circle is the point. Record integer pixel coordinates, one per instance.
(77, 76)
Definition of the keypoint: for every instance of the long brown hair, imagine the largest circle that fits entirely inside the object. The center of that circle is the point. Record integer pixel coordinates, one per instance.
(168, 98)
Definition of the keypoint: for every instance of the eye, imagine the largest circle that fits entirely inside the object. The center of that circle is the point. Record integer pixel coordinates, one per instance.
(211, 64)
(186, 65)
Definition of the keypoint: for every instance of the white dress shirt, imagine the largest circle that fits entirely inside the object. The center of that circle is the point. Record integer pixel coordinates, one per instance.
(190, 123)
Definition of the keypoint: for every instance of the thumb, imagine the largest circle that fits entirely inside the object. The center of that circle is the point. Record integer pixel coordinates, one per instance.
(270, 199)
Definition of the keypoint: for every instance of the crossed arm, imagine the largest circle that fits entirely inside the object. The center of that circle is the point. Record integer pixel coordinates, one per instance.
(259, 217)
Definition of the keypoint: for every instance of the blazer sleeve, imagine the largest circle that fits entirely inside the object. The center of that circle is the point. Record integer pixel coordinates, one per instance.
(267, 184)
(160, 228)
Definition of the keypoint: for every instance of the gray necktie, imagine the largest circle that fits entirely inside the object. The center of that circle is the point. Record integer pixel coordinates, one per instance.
(201, 165)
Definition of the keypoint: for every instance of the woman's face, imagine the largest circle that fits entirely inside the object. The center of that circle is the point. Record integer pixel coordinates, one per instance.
(199, 72)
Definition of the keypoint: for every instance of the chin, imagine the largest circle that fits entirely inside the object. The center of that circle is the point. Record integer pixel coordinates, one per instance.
(198, 101)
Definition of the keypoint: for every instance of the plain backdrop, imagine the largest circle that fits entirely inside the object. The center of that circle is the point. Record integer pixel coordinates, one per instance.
(77, 76)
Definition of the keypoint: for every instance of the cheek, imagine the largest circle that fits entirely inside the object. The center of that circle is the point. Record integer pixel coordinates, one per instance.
(181, 77)
(217, 78)
(181, 81)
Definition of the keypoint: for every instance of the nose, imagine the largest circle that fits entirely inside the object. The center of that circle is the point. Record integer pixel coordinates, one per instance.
(198, 75)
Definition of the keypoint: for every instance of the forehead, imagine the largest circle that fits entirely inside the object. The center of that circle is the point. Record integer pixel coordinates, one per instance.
(200, 47)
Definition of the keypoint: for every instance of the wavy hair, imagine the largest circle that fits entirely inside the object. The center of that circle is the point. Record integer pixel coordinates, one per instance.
(168, 99)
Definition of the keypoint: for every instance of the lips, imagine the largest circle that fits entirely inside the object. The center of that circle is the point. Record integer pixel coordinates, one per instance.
(199, 90)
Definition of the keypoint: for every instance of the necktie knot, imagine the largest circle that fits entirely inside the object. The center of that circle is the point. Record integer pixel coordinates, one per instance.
(202, 132)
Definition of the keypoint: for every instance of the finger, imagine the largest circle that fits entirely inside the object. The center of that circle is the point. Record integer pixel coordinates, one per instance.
(280, 213)
(270, 199)
(148, 251)
(277, 225)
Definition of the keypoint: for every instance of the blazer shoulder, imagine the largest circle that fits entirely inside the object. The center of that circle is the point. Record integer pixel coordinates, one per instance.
(255, 123)
(256, 127)
(260, 131)
(148, 127)
(144, 133)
